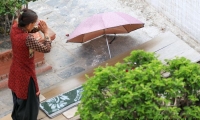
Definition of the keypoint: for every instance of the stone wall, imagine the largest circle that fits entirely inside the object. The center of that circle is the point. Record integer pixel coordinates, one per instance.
(183, 13)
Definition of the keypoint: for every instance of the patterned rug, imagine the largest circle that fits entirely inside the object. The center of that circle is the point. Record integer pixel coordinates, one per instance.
(59, 104)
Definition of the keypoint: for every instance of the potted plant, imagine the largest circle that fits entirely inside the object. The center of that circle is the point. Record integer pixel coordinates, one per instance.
(142, 88)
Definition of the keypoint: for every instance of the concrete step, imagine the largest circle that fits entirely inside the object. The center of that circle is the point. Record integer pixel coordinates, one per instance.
(42, 67)
(7, 117)
(6, 60)
(4, 83)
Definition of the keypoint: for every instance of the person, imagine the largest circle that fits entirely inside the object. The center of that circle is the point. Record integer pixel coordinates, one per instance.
(22, 76)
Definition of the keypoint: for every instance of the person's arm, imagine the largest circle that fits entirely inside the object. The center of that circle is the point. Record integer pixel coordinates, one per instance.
(32, 43)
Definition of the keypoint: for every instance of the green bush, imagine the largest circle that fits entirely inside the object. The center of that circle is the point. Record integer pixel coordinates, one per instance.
(8, 11)
(11, 6)
(142, 88)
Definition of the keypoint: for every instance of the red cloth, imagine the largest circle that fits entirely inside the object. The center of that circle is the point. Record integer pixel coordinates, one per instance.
(22, 67)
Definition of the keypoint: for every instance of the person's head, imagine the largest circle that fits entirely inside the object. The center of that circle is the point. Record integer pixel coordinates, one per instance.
(27, 19)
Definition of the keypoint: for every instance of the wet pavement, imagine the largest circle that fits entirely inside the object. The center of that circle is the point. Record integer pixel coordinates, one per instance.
(5, 43)
(68, 59)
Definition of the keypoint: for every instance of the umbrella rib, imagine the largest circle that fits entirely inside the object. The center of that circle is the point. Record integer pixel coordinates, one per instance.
(104, 31)
(83, 38)
(125, 28)
(103, 25)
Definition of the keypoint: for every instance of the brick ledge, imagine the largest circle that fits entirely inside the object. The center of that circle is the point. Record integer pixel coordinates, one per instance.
(39, 70)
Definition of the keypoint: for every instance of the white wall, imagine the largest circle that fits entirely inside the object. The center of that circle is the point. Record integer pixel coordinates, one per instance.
(184, 13)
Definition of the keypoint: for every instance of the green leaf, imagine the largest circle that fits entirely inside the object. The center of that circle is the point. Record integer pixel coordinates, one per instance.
(143, 92)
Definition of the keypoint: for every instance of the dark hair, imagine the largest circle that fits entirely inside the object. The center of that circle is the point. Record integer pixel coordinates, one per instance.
(26, 17)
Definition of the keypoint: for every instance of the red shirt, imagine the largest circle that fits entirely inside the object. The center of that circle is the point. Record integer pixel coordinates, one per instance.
(23, 66)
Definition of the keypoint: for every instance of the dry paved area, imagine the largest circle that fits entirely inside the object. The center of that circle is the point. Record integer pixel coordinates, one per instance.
(68, 59)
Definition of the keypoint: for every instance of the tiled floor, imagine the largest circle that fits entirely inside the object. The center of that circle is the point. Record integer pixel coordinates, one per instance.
(68, 59)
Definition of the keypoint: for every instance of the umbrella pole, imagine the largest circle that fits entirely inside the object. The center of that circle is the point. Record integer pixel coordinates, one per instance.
(108, 46)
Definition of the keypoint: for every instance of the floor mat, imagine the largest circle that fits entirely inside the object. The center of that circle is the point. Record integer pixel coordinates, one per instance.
(59, 104)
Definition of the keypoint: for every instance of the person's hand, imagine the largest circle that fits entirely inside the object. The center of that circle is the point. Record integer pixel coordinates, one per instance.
(43, 27)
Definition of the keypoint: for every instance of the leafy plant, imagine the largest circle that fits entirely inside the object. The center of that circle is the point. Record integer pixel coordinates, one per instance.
(11, 6)
(139, 89)
(8, 10)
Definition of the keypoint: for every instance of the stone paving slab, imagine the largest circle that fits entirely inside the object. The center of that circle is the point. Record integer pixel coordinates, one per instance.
(4, 43)
(68, 59)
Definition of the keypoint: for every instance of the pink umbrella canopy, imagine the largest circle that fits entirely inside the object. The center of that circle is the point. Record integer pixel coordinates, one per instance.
(104, 23)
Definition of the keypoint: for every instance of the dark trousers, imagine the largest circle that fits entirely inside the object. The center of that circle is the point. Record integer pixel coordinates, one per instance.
(26, 109)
